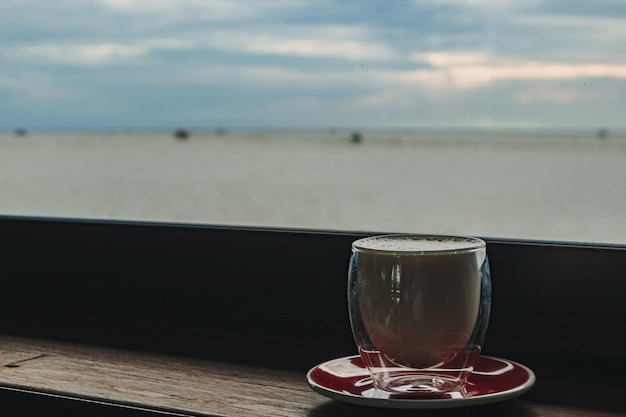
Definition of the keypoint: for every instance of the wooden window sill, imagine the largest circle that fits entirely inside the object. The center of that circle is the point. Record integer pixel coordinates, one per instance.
(138, 383)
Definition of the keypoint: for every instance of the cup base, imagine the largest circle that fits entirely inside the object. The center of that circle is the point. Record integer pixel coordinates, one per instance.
(419, 384)
(433, 382)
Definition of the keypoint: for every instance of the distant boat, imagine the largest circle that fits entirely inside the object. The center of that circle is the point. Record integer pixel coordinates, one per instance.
(20, 132)
(181, 133)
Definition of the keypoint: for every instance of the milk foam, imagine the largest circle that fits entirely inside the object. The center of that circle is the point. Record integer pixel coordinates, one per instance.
(418, 243)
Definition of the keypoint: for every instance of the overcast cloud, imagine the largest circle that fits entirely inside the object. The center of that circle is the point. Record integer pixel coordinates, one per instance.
(312, 64)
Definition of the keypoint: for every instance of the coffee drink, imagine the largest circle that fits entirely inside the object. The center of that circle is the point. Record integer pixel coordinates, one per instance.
(415, 301)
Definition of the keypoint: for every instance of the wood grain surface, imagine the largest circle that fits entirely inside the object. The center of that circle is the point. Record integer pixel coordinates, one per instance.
(206, 388)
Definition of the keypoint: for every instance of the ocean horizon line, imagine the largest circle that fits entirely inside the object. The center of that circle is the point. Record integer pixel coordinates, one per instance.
(287, 129)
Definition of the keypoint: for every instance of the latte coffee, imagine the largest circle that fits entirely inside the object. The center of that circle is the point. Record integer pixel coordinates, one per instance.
(415, 301)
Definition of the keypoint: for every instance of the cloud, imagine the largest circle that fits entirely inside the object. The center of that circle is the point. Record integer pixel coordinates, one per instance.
(96, 53)
(85, 54)
(34, 87)
(382, 62)
(552, 94)
(585, 8)
(227, 74)
(312, 46)
(484, 4)
(205, 9)
(314, 41)
(469, 70)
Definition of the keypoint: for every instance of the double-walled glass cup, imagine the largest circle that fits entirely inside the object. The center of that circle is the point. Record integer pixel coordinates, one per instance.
(419, 307)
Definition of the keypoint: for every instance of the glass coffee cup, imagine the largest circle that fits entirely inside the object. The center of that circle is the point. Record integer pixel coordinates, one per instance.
(419, 307)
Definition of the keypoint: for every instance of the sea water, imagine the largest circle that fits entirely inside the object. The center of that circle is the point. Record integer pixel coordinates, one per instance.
(565, 186)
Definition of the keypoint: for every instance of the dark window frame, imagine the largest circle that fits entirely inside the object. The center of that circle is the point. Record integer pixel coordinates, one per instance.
(221, 292)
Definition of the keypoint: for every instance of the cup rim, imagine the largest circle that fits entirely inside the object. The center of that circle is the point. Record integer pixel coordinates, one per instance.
(465, 244)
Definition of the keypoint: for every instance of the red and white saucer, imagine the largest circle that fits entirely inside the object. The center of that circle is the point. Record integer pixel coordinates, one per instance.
(493, 379)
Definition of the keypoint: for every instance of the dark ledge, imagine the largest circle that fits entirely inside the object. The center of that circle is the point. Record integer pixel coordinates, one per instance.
(273, 301)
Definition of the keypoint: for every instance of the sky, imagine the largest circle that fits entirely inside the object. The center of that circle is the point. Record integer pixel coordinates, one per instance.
(312, 64)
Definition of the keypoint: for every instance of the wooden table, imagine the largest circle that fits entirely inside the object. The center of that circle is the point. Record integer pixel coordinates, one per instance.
(100, 379)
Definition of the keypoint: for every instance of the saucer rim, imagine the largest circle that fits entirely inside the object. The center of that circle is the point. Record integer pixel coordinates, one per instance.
(424, 403)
